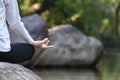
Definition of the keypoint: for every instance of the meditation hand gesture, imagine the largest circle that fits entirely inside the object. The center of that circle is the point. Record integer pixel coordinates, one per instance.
(42, 44)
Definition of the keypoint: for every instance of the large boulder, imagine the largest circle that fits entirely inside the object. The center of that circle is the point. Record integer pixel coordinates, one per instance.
(16, 72)
(72, 48)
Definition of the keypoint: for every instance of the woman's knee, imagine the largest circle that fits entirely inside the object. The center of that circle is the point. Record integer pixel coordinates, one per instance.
(22, 51)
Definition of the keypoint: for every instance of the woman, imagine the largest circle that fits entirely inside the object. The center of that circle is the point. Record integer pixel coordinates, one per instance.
(17, 52)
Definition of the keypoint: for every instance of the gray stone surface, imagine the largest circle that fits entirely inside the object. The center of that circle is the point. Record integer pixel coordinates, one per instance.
(72, 48)
(16, 72)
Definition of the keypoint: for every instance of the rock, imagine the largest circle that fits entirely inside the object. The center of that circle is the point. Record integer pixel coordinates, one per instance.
(72, 48)
(16, 72)
(36, 27)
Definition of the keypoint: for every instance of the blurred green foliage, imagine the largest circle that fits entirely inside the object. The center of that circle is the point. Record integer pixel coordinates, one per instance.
(25, 4)
(93, 17)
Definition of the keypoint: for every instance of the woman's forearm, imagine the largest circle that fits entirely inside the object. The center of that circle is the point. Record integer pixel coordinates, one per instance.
(22, 32)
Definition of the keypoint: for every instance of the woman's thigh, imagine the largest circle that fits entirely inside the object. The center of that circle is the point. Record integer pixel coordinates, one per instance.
(20, 52)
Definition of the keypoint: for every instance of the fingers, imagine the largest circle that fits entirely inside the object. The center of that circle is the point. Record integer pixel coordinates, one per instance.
(47, 47)
(46, 41)
(45, 44)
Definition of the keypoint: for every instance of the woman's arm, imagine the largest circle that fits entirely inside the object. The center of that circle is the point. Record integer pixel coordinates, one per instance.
(14, 21)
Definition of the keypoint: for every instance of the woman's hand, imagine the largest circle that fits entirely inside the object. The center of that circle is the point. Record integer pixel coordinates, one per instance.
(42, 44)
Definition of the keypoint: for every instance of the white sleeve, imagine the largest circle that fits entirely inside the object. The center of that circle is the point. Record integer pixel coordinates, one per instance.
(14, 21)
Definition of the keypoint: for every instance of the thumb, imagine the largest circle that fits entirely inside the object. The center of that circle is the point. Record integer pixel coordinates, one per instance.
(45, 40)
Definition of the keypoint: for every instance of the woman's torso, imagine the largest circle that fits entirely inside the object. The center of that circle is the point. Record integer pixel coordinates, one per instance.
(4, 35)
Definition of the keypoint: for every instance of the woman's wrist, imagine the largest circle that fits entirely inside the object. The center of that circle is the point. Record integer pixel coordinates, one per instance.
(34, 43)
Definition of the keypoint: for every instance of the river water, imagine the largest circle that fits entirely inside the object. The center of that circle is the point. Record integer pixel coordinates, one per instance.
(107, 69)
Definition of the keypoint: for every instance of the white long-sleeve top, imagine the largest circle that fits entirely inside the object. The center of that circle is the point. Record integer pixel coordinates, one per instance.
(9, 13)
